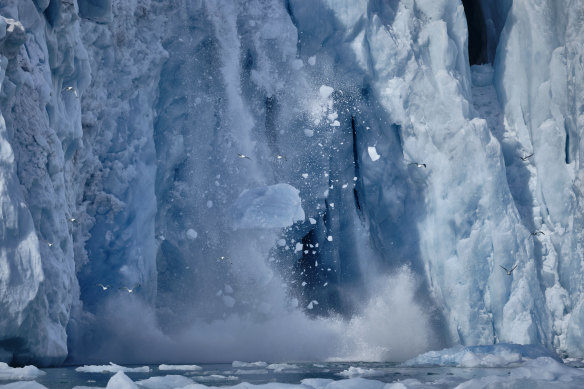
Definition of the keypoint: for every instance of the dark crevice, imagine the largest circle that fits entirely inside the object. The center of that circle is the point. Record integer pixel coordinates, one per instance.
(477, 32)
(567, 147)
(356, 164)
(53, 12)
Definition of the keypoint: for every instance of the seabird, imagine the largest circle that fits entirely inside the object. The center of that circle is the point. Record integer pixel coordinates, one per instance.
(50, 244)
(104, 287)
(72, 220)
(130, 290)
(71, 89)
(526, 157)
(508, 271)
(538, 233)
(418, 164)
(281, 157)
(223, 258)
(243, 156)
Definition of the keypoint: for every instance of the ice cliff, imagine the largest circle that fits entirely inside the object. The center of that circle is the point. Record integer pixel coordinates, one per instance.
(316, 179)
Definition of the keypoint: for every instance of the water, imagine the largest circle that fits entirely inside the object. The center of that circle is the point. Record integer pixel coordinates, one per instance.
(227, 375)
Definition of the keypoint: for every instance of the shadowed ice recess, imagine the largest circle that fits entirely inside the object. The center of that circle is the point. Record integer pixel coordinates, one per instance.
(197, 181)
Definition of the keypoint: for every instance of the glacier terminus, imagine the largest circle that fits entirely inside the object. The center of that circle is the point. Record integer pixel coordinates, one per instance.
(197, 181)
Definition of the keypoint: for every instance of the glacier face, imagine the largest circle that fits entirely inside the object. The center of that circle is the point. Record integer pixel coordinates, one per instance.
(140, 137)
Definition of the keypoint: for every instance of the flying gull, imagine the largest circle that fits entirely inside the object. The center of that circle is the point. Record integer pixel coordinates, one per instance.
(243, 156)
(538, 233)
(526, 157)
(418, 164)
(508, 271)
(71, 89)
(130, 290)
(104, 287)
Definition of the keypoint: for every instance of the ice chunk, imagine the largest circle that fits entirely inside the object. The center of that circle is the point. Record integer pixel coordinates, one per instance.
(228, 289)
(353, 371)
(499, 355)
(111, 368)
(311, 220)
(228, 301)
(309, 133)
(192, 234)
(121, 381)
(298, 247)
(19, 373)
(23, 385)
(179, 367)
(329, 238)
(275, 206)
(312, 60)
(240, 364)
(166, 382)
(373, 153)
(280, 367)
(325, 91)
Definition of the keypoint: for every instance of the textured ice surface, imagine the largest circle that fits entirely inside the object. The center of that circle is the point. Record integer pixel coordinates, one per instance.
(111, 368)
(135, 135)
(500, 355)
(275, 206)
(19, 373)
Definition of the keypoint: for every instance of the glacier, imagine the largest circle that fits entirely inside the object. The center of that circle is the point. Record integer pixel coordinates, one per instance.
(288, 180)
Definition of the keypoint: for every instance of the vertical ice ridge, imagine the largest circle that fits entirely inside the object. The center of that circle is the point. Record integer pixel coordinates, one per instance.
(44, 79)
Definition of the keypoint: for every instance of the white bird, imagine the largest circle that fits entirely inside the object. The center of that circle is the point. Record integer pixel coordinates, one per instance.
(104, 287)
(130, 290)
(538, 233)
(72, 220)
(222, 258)
(526, 157)
(281, 157)
(243, 156)
(50, 244)
(71, 89)
(508, 271)
(418, 164)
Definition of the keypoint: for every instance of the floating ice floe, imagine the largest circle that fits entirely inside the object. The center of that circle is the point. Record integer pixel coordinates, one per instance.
(165, 382)
(498, 355)
(23, 385)
(239, 364)
(280, 367)
(111, 368)
(121, 381)
(180, 367)
(19, 373)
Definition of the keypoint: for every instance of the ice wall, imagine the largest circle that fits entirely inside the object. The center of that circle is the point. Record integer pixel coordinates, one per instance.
(44, 70)
(140, 137)
(539, 79)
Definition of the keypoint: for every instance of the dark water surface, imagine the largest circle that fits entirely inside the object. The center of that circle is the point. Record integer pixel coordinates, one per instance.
(227, 375)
